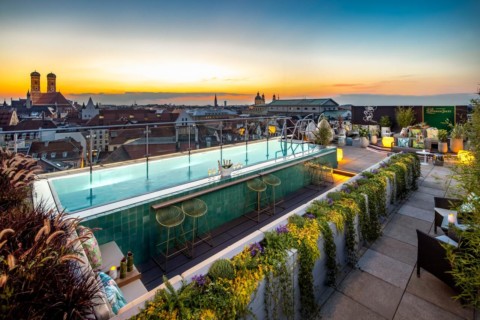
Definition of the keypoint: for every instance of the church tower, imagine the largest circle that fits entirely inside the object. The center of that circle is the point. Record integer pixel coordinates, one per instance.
(35, 82)
(51, 82)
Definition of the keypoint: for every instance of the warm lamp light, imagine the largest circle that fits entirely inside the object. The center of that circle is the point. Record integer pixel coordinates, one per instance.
(113, 272)
(451, 218)
(339, 154)
(387, 141)
(465, 156)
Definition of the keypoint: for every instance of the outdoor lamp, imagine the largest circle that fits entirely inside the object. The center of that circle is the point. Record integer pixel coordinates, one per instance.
(339, 154)
(451, 218)
(387, 141)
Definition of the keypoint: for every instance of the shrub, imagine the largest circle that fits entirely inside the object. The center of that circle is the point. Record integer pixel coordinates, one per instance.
(404, 116)
(222, 268)
(324, 133)
(385, 121)
(41, 274)
(17, 172)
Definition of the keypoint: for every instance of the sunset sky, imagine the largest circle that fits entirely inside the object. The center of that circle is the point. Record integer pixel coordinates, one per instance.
(185, 51)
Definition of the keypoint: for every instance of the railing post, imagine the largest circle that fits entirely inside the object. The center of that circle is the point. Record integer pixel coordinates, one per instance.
(90, 151)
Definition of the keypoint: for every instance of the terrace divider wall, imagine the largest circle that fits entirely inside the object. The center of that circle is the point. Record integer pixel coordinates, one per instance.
(257, 304)
(134, 228)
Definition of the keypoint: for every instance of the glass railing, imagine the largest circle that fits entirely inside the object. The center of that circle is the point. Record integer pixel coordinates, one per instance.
(67, 147)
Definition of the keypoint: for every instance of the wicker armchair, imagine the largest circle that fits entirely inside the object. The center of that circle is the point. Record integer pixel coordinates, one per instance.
(432, 257)
(444, 203)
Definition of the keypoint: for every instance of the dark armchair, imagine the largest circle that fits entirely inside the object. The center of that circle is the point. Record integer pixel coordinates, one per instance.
(432, 257)
(444, 203)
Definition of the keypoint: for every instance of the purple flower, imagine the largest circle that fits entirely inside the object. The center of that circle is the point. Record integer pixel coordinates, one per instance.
(346, 190)
(329, 201)
(282, 229)
(374, 171)
(309, 216)
(200, 280)
(383, 164)
(255, 248)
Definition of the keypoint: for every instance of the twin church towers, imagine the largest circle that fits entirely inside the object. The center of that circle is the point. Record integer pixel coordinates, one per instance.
(35, 83)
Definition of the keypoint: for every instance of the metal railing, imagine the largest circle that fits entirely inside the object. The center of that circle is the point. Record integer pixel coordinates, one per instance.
(71, 147)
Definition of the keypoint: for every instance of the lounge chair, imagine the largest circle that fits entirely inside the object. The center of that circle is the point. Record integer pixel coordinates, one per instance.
(432, 257)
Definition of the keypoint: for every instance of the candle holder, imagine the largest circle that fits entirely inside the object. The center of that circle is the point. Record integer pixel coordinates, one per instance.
(129, 261)
(123, 268)
(451, 218)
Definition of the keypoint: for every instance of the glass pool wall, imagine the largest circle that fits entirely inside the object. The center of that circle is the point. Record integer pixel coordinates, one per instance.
(135, 228)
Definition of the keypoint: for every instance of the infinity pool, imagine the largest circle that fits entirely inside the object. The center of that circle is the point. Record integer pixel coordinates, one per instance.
(82, 191)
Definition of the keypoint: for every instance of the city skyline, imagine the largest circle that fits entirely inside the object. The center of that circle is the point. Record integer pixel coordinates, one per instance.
(184, 53)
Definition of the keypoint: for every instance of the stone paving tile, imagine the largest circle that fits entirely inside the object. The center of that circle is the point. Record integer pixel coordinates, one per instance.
(386, 268)
(433, 290)
(431, 191)
(402, 233)
(396, 249)
(410, 209)
(375, 294)
(433, 185)
(341, 307)
(413, 307)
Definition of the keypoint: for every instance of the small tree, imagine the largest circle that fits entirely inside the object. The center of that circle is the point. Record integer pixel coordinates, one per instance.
(404, 116)
(385, 121)
(323, 135)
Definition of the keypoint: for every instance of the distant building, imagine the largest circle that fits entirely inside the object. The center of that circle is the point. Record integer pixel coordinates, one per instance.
(90, 110)
(51, 104)
(8, 118)
(57, 155)
(292, 107)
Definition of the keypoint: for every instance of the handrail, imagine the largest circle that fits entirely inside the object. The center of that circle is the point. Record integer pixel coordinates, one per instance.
(131, 125)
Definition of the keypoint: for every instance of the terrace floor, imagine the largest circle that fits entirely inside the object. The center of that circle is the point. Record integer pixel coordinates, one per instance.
(355, 160)
(385, 284)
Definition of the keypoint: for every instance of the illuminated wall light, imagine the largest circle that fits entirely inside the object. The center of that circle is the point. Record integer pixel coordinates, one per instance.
(339, 154)
(387, 141)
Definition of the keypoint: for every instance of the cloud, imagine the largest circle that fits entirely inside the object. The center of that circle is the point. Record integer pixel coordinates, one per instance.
(347, 84)
(399, 100)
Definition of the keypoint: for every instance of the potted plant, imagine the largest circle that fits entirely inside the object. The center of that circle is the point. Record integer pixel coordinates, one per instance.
(442, 141)
(373, 136)
(385, 124)
(456, 137)
(404, 116)
(363, 133)
(323, 135)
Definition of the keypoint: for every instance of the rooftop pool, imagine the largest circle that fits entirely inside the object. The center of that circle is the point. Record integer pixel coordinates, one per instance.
(106, 189)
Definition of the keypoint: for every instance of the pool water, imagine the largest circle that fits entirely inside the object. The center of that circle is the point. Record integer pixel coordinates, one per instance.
(83, 191)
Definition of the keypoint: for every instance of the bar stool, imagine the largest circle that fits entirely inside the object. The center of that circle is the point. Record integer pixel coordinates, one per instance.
(272, 181)
(195, 209)
(327, 173)
(256, 185)
(171, 217)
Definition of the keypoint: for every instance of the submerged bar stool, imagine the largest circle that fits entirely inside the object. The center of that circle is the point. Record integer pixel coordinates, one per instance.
(327, 173)
(195, 209)
(171, 217)
(259, 187)
(272, 181)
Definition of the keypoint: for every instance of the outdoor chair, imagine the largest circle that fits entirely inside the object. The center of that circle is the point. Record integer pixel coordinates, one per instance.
(432, 257)
(442, 207)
